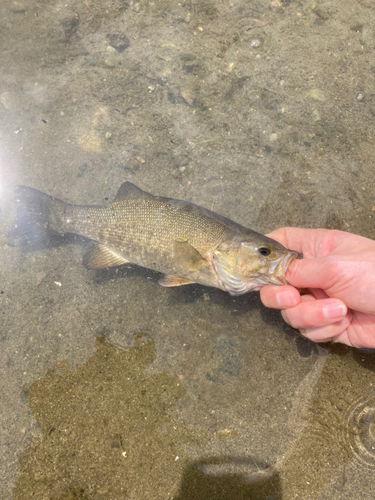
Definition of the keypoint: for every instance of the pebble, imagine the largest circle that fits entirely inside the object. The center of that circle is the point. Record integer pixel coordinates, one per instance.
(256, 43)
(227, 434)
(273, 137)
(317, 95)
(18, 8)
(277, 5)
(187, 97)
(360, 96)
(228, 354)
(118, 41)
(40, 277)
(6, 100)
(109, 63)
(322, 14)
(90, 142)
(316, 115)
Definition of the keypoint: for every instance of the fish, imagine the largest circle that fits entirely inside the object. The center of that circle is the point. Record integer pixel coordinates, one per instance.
(185, 242)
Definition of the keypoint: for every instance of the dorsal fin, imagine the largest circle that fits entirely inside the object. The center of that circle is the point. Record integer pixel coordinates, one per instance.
(129, 191)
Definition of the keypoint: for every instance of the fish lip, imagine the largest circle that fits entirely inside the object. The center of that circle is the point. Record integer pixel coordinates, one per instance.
(283, 264)
(292, 256)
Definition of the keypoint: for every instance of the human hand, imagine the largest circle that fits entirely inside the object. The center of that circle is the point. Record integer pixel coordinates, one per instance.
(337, 273)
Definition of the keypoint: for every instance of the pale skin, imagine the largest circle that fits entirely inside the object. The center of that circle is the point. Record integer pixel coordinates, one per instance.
(336, 278)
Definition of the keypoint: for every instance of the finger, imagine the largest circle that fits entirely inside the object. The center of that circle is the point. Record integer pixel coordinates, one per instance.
(336, 332)
(312, 273)
(318, 293)
(311, 313)
(360, 333)
(279, 297)
(298, 239)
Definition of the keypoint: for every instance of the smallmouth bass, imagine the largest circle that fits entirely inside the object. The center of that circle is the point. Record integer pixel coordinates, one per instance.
(185, 242)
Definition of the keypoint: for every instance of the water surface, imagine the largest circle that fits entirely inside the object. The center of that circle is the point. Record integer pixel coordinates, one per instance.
(113, 387)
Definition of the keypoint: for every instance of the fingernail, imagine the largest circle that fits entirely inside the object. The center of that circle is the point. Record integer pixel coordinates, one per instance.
(286, 299)
(334, 311)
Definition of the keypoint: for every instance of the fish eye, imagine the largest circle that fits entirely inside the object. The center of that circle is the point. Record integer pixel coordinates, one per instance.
(264, 251)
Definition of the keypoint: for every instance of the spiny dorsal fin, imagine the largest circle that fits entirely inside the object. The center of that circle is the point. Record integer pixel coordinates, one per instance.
(174, 281)
(100, 256)
(129, 191)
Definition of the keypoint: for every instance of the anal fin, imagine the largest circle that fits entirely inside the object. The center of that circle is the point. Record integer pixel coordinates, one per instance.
(100, 256)
(174, 281)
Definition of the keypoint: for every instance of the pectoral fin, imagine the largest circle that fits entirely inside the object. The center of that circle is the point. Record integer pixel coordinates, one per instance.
(187, 256)
(188, 259)
(100, 256)
(174, 281)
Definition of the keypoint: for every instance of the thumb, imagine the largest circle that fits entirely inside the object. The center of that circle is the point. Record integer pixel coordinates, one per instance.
(311, 273)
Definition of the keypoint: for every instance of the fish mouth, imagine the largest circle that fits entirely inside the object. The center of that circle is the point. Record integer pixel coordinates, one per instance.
(235, 285)
(279, 267)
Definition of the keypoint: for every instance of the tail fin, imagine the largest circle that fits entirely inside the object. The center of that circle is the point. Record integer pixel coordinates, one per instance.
(38, 215)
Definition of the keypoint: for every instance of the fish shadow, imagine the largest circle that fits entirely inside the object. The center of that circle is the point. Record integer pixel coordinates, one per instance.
(187, 294)
(243, 304)
(234, 305)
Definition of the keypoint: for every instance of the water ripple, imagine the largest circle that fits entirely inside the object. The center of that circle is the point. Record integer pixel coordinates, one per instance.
(360, 429)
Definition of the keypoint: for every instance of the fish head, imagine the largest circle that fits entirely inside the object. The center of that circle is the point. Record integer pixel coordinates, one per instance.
(244, 265)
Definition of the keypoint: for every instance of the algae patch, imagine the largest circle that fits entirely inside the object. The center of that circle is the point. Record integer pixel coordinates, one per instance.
(106, 429)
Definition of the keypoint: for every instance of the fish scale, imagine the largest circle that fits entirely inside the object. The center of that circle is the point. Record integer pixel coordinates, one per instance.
(144, 226)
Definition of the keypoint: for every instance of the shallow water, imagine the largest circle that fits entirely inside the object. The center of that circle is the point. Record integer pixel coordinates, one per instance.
(113, 387)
